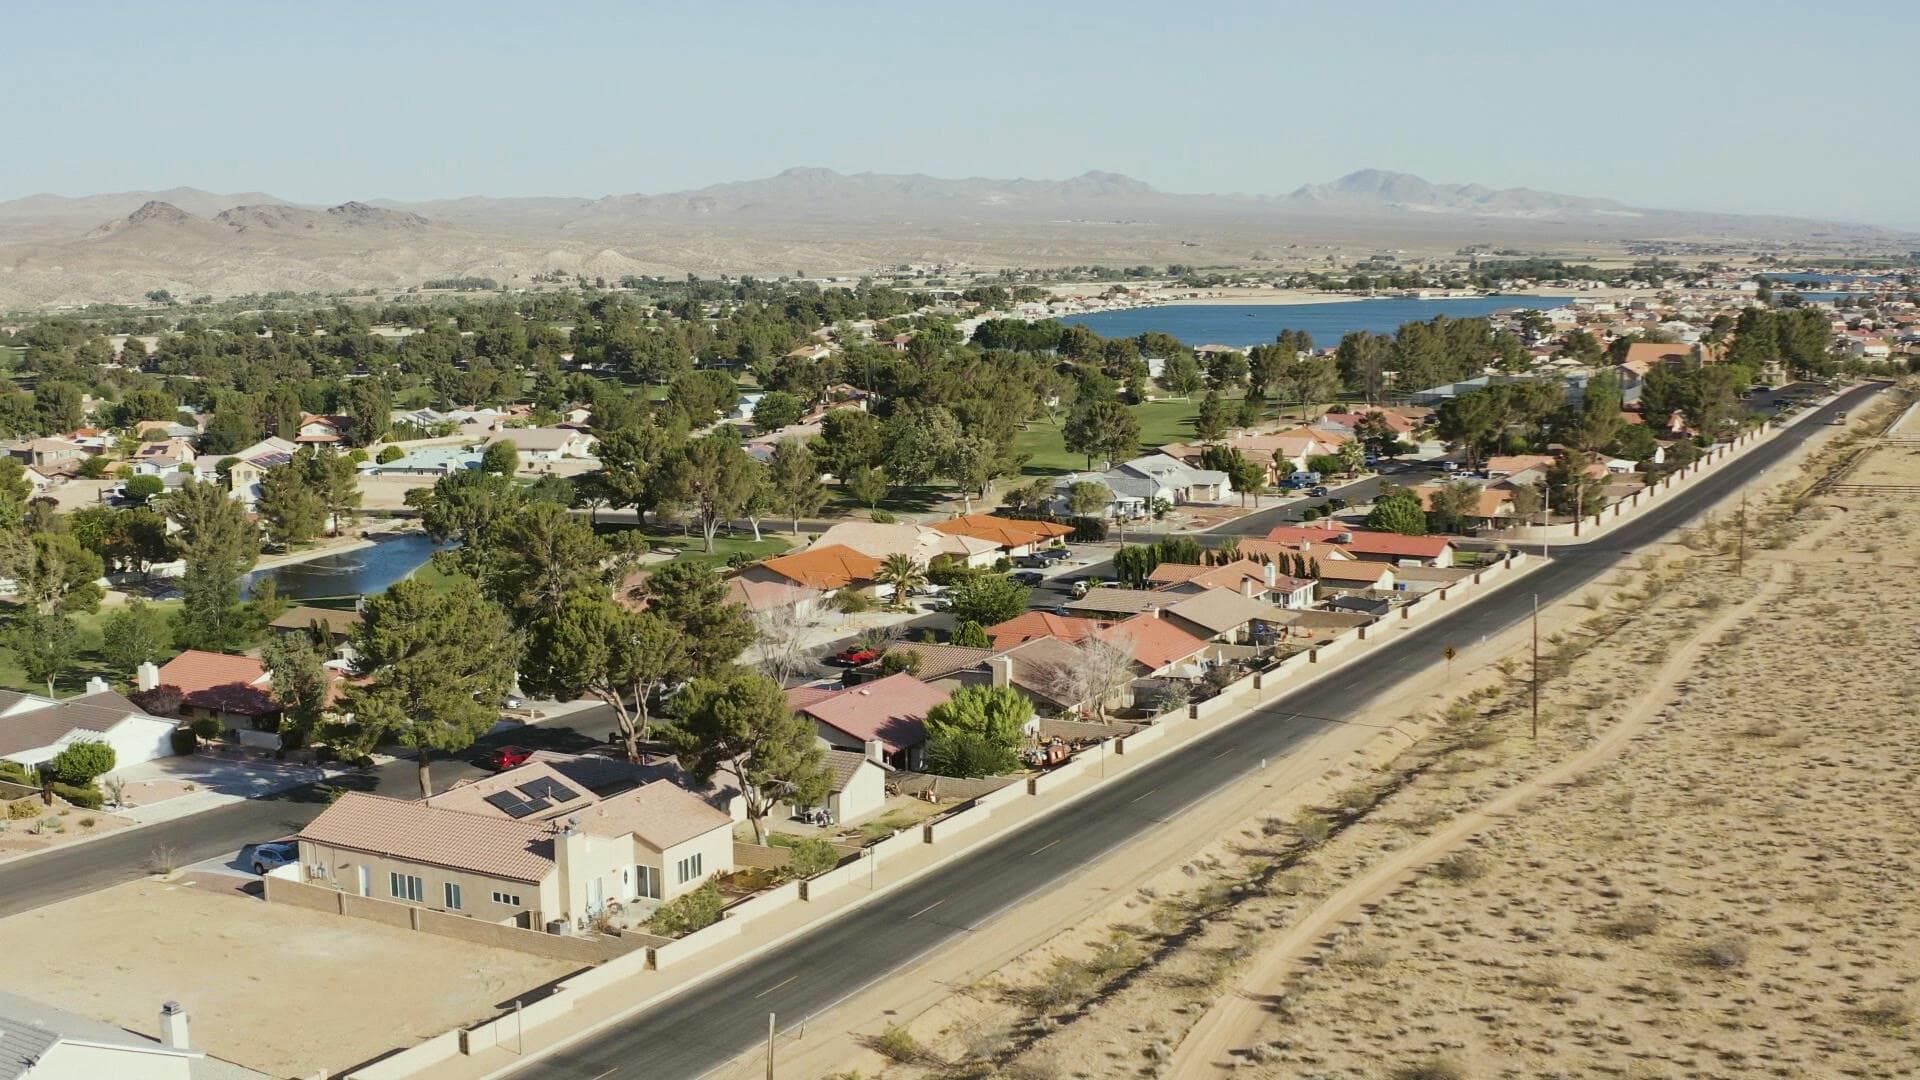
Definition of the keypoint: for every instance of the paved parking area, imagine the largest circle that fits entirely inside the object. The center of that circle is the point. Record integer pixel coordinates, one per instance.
(178, 786)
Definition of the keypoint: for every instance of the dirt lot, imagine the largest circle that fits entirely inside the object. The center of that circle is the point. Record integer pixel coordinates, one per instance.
(1699, 869)
(279, 989)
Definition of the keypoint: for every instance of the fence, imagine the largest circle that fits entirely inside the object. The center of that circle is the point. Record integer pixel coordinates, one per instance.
(580, 950)
(413, 1059)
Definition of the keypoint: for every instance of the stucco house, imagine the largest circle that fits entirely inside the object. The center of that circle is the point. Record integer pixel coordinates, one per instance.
(40, 1042)
(544, 853)
(34, 729)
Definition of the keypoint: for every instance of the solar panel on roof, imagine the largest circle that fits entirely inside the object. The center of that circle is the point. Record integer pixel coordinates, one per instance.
(545, 788)
(533, 807)
(504, 801)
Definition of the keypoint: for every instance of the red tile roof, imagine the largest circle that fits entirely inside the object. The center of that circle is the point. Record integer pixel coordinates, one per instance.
(892, 710)
(1007, 532)
(1367, 542)
(831, 567)
(220, 682)
(416, 832)
(1154, 641)
(1039, 624)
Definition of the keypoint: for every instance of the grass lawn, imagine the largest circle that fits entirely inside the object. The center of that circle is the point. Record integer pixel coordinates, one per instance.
(87, 661)
(1161, 422)
(432, 575)
(693, 548)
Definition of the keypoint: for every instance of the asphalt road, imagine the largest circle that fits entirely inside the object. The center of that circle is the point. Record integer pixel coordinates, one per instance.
(714, 1022)
(97, 864)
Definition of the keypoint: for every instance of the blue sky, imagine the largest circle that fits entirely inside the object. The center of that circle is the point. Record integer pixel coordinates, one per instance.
(1753, 106)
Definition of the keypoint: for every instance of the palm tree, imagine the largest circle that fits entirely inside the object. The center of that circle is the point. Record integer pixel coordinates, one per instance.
(901, 572)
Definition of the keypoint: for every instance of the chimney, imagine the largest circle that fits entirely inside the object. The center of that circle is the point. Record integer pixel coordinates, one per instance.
(1154, 611)
(173, 1025)
(1002, 669)
(96, 685)
(146, 676)
(1272, 575)
(1306, 545)
(1246, 584)
(875, 752)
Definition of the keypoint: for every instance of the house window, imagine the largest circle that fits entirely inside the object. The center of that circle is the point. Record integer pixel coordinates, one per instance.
(689, 868)
(506, 898)
(647, 882)
(453, 897)
(406, 887)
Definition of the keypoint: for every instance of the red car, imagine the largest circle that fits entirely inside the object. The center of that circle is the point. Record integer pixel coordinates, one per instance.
(500, 759)
(854, 656)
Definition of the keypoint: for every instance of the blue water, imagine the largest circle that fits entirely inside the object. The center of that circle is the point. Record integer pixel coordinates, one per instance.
(349, 573)
(1258, 324)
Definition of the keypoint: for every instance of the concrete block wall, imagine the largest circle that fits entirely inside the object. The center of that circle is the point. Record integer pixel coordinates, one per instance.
(662, 956)
(442, 1047)
(766, 901)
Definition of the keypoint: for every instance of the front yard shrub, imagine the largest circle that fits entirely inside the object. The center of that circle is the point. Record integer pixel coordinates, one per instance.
(86, 798)
(813, 856)
(22, 809)
(683, 915)
(184, 740)
(207, 727)
(81, 762)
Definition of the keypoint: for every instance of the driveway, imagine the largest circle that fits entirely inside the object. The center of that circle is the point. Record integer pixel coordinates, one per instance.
(169, 788)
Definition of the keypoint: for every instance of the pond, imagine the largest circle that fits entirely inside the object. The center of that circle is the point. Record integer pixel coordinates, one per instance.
(361, 572)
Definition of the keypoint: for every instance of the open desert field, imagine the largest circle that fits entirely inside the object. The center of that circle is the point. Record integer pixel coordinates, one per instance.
(1701, 867)
(251, 973)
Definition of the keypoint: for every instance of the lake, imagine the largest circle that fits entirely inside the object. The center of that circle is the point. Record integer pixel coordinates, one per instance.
(349, 573)
(1259, 324)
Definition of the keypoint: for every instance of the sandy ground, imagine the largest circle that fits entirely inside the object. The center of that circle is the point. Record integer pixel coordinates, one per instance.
(53, 827)
(276, 988)
(1475, 906)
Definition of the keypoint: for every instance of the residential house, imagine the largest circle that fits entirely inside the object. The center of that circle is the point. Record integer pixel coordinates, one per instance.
(1130, 496)
(921, 543)
(40, 1042)
(1011, 536)
(859, 787)
(252, 463)
(884, 719)
(1119, 603)
(1160, 649)
(511, 865)
(1221, 615)
(1530, 467)
(936, 661)
(236, 690)
(822, 568)
(1032, 625)
(317, 429)
(1248, 577)
(547, 445)
(435, 461)
(758, 595)
(1370, 543)
(1178, 482)
(328, 627)
(1337, 575)
(1043, 671)
(47, 453)
(1494, 501)
(34, 729)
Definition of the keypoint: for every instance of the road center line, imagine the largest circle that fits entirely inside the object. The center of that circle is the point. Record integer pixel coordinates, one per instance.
(1043, 847)
(775, 986)
(1143, 795)
(928, 908)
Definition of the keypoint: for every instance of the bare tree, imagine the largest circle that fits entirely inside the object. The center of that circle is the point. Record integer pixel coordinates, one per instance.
(782, 634)
(1102, 668)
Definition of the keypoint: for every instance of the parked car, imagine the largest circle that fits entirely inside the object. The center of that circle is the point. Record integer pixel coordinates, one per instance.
(1450, 466)
(502, 758)
(1033, 561)
(512, 702)
(1054, 554)
(273, 854)
(1317, 491)
(1028, 577)
(854, 656)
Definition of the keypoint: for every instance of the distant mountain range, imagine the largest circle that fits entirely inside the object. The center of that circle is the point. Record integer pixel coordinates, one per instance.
(57, 249)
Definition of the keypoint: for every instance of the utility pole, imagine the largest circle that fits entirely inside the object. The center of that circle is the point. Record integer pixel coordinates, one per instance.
(769, 1046)
(1536, 666)
(1740, 563)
